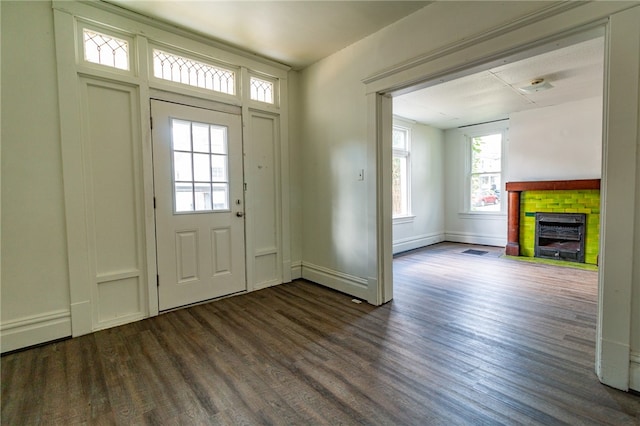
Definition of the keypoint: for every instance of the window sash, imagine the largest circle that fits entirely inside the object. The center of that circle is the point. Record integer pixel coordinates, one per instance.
(104, 49)
(485, 172)
(262, 90)
(185, 70)
(400, 185)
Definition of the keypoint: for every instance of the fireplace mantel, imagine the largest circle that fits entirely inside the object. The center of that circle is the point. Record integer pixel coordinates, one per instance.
(515, 188)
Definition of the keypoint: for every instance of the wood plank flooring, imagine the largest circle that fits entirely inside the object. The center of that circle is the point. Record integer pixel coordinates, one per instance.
(468, 339)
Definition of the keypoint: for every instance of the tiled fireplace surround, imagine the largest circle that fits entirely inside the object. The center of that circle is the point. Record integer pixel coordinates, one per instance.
(559, 196)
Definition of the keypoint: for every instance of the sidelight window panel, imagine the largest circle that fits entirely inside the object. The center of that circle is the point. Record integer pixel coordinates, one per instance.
(182, 166)
(200, 137)
(181, 135)
(220, 196)
(218, 140)
(202, 172)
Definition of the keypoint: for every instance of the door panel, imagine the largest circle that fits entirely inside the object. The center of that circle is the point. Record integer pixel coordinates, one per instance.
(198, 184)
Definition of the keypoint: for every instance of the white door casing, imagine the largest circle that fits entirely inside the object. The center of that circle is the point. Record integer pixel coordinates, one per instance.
(200, 234)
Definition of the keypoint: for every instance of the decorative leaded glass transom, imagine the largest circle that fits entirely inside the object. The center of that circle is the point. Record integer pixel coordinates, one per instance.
(105, 50)
(183, 70)
(261, 90)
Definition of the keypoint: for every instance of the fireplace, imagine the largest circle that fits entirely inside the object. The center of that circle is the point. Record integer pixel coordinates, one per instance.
(527, 198)
(560, 236)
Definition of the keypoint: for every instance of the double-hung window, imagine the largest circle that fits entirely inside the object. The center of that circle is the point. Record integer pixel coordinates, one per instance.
(401, 172)
(485, 177)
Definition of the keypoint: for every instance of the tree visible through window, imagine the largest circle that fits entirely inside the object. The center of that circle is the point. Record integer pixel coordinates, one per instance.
(400, 184)
(486, 169)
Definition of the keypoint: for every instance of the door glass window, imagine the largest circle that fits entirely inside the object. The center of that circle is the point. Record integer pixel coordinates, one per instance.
(200, 172)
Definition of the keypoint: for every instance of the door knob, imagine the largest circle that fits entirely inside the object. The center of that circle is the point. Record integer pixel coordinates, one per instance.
(239, 214)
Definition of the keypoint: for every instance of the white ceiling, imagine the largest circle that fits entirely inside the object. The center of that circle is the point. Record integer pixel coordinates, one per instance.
(575, 72)
(295, 32)
(301, 32)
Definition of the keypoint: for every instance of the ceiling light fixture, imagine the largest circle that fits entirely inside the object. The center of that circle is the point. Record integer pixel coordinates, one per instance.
(536, 85)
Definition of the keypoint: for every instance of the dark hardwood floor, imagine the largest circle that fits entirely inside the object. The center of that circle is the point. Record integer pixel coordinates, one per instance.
(468, 339)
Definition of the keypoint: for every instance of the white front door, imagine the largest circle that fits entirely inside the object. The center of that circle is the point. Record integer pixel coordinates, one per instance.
(198, 185)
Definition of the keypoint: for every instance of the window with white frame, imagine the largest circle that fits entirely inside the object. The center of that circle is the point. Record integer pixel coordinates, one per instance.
(261, 90)
(180, 69)
(485, 177)
(401, 172)
(105, 50)
(200, 166)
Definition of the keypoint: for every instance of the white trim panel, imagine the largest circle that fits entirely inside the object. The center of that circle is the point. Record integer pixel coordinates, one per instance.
(34, 330)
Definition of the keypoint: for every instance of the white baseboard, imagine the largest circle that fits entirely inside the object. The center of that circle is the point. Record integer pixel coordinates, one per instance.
(612, 363)
(286, 271)
(296, 270)
(414, 242)
(33, 330)
(349, 284)
(634, 371)
(265, 284)
(470, 238)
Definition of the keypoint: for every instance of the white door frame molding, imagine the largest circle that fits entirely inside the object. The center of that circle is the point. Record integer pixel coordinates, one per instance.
(619, 147)
(619, 171)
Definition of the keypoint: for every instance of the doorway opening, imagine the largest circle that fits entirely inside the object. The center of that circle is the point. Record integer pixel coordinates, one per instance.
(458, 184)
(432, 106)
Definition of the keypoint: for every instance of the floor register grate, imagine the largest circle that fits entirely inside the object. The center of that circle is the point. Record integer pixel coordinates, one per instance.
(476, 252)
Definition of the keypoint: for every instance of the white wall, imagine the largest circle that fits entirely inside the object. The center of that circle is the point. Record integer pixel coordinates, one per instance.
(334, 200)
(35, 281)
(334, 129)
(427, 189)
(556, 143)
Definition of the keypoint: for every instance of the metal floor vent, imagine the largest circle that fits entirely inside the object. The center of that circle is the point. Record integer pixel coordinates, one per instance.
(476, 252)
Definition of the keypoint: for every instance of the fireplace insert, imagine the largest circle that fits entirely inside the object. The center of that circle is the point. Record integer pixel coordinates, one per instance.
(560, 236)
